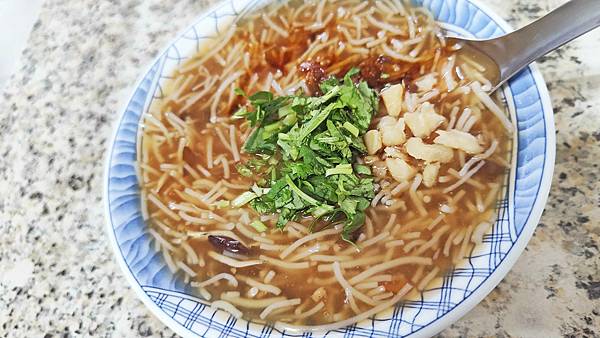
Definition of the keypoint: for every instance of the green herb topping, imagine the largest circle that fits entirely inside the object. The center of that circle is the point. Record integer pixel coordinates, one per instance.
(305, 150)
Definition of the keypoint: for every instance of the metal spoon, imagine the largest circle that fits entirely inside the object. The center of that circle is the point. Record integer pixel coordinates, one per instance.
(505, 56)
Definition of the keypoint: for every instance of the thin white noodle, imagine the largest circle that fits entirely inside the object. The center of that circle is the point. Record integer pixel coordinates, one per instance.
(480, 230)
(269, 276)
(390, 52)
(308, 252)
(369, 226)
(209, 152)
(217, 96)
(158, 123)
(329, 258)
(434, 240)
(383, 25)
(447, 73)
(321, 24)
(156, 201)
(310, 312)
(230, 279)
(261, 286)
(233, 144)
(491, 105)
(473, 160)
(428, 278)
(170, 263)
(377, 198)
(222, 42)
(306, 239)
(176, 122)
(195, 220)
(415, 198)
(465, 178)
(284, 264)
(160, 240)
(366, 285)
(272, 247)
(186, 269)
(192, 257)
(225, 306)
(232, 262)
(191, 171)
(199, 95)
(448, 243)
(382, 296)
(360, 7)
(349, 321)
(250, 303)
(248, 233)
(275, 85)
(408, 260)
(413, 244)
(395, 243)
(463, 118)
(279, 305)
(226, 172)
(470, 123)
(349, 290)
(400, 188)
(275, 27)
(453, 114)
(367, 260)
(435, 222)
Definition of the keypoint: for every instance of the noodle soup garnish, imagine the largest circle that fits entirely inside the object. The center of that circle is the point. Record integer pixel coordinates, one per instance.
(321, 161)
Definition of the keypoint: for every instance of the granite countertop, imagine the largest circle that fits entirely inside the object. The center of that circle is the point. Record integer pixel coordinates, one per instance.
(57, 273)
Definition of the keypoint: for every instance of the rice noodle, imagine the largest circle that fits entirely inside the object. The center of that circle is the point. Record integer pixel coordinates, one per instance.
(284, 264)
(250, 303)
(186, 269)
(428, 278)
(261, 286)
(269, 276)
(232, 262)
(315, 309)
(230, 279)
(433, 241)
(351, 292)
(217, 97)
(491, 105)
(221, 42)
(278, 305)
(346, 322)
(477, 236)
(464, 179)
(383, 25)
(156, 201)
(228, 307)
(407, 260)
(366, 260)
(306, 239)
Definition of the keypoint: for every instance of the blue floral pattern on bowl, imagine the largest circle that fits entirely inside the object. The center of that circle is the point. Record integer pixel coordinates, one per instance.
(518, 209)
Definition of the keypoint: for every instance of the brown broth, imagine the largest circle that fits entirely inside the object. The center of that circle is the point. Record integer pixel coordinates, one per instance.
(281, 57)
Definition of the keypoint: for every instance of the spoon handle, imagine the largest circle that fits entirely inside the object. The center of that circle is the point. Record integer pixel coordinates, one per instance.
(518, 49)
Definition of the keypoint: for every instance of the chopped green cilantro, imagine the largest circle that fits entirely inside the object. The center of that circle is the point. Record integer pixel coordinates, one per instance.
(306, 149)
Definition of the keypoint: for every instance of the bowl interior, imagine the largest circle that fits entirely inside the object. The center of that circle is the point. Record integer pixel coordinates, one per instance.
(518, 209)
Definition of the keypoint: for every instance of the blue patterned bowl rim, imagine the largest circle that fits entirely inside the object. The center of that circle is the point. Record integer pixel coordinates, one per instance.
(438, 307)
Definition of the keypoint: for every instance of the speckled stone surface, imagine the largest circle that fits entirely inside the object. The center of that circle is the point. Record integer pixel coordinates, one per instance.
(57, 274)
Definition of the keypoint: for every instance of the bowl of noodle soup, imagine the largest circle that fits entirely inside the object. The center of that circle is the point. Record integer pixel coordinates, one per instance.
(426, 198)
